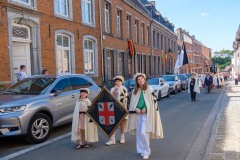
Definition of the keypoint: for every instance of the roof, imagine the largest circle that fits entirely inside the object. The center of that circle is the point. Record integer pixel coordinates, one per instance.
(139, 5)
(228, 68)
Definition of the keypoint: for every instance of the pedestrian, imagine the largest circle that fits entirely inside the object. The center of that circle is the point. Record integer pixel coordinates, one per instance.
(146, 123)
(120, 93)
(22, 73)
(45, 72)
(208, 82)
(193, 86)
(83, 129)
(236, 79)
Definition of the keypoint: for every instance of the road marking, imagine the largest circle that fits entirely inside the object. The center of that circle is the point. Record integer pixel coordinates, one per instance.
(34, 147)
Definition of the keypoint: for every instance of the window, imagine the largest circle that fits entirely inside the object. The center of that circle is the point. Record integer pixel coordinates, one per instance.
(128, 26)
(63, 8)
(148, 35)
(162, 47)
(63, 54)
(154, 42)
(143, 33)
(88, 12)
(88, 56)
(107, 17)
(136, 31)
(119, 25)
(158, 41)
(64, 85)
(25, 3)
(79, 83)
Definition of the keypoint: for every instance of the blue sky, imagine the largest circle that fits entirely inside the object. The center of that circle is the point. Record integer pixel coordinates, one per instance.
(213, 22)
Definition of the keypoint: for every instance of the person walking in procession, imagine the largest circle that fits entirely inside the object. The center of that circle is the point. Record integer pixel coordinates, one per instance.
(121, 94)
(146, 123)
(208, 82)
(193, 86)
(82, 127)
(22, 73)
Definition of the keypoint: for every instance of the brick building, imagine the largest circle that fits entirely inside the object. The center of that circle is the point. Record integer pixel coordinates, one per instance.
(84, 36)
(199, 56)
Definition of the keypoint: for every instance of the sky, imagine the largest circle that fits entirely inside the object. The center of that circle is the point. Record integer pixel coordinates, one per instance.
(213, 22)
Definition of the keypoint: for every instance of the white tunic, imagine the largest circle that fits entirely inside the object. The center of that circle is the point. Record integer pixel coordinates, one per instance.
(91, 133)
(154, 124)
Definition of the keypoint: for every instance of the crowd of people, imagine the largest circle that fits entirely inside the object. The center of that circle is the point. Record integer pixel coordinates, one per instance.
(208, 81)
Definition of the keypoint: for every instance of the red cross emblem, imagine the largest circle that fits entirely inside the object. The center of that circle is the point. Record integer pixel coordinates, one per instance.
(106, 113)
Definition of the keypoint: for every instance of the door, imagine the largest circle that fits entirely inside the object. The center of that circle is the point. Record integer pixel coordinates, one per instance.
(20, 56)
(64, 102)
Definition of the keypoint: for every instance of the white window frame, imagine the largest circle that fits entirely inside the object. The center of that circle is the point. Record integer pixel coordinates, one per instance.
(107, 17)
(147, 36)
(119, 33)
(128, 26)
(62, 48)
(91, 13)
(88, 56)
(32, 4)
(68, 15)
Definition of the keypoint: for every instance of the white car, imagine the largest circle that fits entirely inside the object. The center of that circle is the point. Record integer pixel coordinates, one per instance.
(160, 87)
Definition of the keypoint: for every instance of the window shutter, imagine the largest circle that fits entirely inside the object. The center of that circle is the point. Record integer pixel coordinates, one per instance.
(115, 65)
(125, 64)
(105, 64)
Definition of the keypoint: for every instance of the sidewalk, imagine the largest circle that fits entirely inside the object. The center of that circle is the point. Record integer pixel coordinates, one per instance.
(225, 143)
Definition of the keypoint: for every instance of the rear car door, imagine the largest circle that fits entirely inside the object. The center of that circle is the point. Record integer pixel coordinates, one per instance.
(64, 102)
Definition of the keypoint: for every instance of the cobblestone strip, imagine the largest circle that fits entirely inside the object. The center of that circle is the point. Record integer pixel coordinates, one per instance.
(227, 140)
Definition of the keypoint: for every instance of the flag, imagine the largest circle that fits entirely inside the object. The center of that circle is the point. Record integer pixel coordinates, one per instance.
(182, 59)
(131, 47)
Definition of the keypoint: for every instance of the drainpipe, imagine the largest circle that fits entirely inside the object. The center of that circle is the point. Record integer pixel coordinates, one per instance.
(101, 34)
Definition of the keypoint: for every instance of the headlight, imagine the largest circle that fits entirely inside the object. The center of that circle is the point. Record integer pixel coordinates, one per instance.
(8, 110)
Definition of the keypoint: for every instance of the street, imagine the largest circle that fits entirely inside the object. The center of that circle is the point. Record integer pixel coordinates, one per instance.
(182, 122)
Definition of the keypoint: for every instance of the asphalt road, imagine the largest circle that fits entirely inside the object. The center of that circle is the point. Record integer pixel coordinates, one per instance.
(181, 118)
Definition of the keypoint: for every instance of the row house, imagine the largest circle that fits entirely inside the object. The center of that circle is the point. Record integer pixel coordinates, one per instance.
(199, 56)
(236, 54)
(164, 41)
(84, 36)
(60, 35)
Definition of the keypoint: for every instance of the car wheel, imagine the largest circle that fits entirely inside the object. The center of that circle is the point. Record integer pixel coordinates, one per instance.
(168, 94)
(159, 95)
(39, 128)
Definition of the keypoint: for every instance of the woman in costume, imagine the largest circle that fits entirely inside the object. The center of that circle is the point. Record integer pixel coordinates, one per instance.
(146, 123)
(120, 93)
(83, 129)
(193, 86)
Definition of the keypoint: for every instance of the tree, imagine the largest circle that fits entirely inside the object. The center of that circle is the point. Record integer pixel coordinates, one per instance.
(229, 52)
(222, 63)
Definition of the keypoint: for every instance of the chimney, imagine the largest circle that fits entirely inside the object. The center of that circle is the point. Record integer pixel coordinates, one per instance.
(153, 3)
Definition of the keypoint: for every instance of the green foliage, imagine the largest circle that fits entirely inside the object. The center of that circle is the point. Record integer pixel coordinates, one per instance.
(229, 52)
(222, 63)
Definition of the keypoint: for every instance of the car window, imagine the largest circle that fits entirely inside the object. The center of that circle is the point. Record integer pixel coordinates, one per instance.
(168, 78)
(64, 85)
(79, 83)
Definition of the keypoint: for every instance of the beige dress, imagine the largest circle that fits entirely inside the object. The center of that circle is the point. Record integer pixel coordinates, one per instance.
(90, 129)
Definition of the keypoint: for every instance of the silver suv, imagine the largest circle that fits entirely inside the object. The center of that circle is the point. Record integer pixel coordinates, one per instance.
(35, 105)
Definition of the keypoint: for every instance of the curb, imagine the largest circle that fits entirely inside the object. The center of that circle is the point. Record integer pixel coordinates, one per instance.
(213, 134)
(198, 148)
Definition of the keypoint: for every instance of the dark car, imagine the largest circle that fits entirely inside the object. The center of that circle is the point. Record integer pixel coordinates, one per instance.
(184, 81)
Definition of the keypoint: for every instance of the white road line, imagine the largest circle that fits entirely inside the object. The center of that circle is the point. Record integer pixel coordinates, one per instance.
(34, 147)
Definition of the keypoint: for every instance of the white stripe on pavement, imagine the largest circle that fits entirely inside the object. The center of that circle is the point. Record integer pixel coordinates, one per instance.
(34, 147)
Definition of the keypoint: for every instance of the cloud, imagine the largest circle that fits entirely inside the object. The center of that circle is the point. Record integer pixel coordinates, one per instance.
(204, 14)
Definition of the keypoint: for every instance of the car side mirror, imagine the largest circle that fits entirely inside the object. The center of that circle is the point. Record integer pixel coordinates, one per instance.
(56, 92)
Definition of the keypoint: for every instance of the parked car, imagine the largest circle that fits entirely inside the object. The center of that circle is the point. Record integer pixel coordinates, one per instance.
(188, 75)
(184, 81)
(174, 83)
(129, 84)
(160, 87)
(33, 106)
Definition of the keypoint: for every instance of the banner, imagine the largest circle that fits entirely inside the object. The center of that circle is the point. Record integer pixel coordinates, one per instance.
(106, 112)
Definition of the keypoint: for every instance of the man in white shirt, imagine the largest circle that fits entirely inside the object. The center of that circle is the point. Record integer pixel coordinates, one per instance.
(22, 74)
